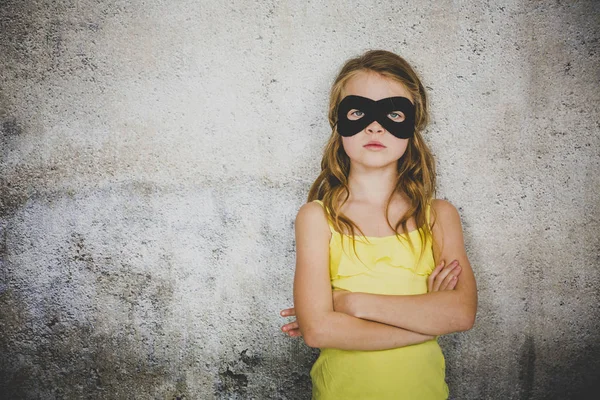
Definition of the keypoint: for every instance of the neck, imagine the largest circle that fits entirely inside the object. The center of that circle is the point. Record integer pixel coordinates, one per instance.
(374, 186)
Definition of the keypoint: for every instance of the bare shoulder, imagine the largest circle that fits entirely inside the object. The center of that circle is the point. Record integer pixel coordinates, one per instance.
(311, 218)
(444, 213)
(312, 211)
(441, 206)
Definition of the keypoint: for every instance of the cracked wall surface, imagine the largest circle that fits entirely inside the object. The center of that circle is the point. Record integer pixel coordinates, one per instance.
(154, 155)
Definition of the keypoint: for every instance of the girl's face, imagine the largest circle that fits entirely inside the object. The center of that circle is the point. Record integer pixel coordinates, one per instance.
(374, 147)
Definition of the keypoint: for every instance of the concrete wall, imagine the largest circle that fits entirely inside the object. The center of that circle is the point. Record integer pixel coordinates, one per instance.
(154, 155)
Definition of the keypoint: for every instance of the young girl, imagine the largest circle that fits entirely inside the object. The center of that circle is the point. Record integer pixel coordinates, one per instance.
(367, 291)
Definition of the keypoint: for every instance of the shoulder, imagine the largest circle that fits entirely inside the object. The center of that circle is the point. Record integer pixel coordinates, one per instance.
(312, 209)
(443, 212)
(311, 216)
(443, 207)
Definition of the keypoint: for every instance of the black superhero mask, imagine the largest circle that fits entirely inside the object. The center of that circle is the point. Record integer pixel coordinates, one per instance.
(376, 111)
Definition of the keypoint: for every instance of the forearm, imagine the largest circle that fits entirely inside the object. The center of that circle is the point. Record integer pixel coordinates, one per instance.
(434, 313)
(342, 331)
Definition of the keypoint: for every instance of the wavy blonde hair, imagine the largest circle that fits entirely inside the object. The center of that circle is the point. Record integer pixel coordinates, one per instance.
(416, 168)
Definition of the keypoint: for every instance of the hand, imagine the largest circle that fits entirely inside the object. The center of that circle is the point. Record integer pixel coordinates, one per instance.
(292, 329)
(444, 277)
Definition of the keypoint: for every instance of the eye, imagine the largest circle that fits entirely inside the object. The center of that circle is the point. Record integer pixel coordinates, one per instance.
(354, 114)
(396, 116)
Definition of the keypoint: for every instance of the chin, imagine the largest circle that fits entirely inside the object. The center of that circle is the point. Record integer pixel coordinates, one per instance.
(376, 164)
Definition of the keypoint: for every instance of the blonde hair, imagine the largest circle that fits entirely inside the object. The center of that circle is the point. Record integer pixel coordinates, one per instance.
(416, 168)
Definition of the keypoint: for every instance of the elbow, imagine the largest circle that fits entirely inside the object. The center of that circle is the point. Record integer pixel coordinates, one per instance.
(313, 328)
(461, 323)
(311, 338)
(316, 334)
(467, 321)
(465, 316)
(312, 341)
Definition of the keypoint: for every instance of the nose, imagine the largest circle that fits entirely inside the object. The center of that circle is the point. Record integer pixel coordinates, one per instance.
(375, 127)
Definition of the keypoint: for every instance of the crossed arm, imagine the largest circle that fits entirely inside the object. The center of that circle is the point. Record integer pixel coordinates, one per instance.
(362, 321)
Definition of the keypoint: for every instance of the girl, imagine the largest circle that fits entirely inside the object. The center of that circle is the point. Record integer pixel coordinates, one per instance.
(367, 291)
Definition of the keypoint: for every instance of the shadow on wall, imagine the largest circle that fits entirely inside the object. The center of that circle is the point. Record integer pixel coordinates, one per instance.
(90, 361)
(86, 362)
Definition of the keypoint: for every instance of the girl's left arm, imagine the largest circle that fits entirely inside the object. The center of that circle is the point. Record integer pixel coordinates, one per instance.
(434, 313)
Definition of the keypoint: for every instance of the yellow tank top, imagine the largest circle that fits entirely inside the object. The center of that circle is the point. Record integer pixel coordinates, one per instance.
(384, 265)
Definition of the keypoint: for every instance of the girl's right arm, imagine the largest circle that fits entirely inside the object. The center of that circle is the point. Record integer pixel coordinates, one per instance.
(320, 325)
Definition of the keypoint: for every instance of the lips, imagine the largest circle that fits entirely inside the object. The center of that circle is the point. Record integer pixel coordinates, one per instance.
(373, 144)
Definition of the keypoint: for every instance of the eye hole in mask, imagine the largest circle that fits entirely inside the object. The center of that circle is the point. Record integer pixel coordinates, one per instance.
(355, 115)
(395, 114)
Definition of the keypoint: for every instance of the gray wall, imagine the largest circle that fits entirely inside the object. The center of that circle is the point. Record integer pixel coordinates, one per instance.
(154, 155)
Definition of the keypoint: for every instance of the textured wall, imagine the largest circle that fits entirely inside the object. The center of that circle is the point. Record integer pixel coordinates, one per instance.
(154, 155)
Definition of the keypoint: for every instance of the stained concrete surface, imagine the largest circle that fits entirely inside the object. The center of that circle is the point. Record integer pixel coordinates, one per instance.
(154, 155)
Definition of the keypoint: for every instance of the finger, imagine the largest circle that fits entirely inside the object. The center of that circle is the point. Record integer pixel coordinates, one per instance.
(294, 333)
(452, 277)
(288, 312)
(289, 327)
(442, 277)
(439, 279)
(452, 283)
(433, 274)
(449, 279)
